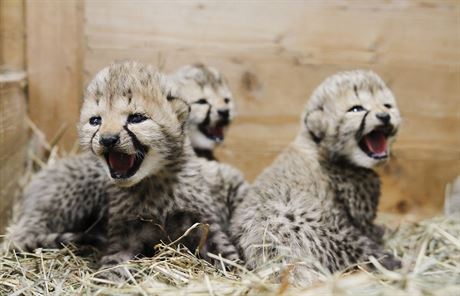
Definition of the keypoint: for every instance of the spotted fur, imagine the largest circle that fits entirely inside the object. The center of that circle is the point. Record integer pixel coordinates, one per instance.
(62, 200)
(64, 203)
(315, 206)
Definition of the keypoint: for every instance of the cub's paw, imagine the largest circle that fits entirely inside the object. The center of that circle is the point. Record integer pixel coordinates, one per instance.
(112, 269)
(27, 245)
(390, 262)
(115, 274)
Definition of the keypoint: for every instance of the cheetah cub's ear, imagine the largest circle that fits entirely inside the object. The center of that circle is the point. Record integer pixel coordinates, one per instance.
(316, 124)
(180, 107)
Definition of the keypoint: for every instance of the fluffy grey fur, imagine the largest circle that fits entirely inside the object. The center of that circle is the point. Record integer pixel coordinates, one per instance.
(314, 207)
(71, 201)
(212, 106)
(64, 203)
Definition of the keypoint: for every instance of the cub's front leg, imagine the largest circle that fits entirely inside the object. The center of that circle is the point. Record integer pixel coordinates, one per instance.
(219, 241)
(179, 222)
(120, 249)
(126, 240)
(213, 239)
(364, 247)
(376, 233)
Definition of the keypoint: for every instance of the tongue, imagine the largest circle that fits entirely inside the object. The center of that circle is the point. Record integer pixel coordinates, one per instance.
(121, 162)
(217, 132)
(376, 142)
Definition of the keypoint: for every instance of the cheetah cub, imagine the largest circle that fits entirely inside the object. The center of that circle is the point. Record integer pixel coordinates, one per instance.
(141, 169)
(314, 207)
(212, 111)
(212, 103)
(67, 202)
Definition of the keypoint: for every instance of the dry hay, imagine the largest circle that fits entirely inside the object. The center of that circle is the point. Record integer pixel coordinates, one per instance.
(429, 250)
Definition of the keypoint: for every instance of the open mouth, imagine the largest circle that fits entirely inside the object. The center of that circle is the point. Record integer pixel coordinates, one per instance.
(216, 132)
(122, 165)
(375, 143)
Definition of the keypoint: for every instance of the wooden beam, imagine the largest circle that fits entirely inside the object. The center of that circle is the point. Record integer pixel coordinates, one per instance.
(13, 129)
(55, 59)
(13, 140)
(12, 31)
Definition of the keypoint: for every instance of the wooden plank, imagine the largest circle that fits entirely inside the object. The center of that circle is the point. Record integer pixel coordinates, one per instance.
(359, 33)
(55, 59)
(274, 55)
(12, 30)
(13, 141)
(13, 130)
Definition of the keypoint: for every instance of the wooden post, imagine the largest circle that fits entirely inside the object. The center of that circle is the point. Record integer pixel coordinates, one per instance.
(13, 130)
(55, 59)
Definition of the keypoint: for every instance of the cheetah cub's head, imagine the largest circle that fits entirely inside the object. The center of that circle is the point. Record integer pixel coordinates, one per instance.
(353, 116)
(132, 122)
(212, 104)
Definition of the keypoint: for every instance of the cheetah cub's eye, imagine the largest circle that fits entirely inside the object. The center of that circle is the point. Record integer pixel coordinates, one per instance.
(388, 106)
(95, 120)
(201, 101)
(136, 118)
(356, 108)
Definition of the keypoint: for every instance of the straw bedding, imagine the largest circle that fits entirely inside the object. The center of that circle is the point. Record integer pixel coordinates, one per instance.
(429, 249)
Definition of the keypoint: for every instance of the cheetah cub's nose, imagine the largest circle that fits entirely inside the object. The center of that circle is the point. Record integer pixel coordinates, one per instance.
(224, 113)
(108, 141)
(383, 117)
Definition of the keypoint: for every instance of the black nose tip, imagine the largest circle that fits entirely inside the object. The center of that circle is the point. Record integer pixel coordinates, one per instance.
(108, 141)
(224, 114)
(383, 117)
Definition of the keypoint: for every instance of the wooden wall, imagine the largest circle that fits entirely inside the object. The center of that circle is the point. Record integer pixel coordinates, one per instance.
(13, 130)
(12, 35)
(274, 54)
(55, 60)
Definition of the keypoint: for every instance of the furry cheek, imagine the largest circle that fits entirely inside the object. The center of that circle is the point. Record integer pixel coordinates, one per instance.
(197, 114)
(87, 133)
(350, 126)
(148, 133)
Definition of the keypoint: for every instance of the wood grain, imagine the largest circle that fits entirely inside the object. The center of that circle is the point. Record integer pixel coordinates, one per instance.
(13, 130)
(55, 61)
(13, 141)
(274, 54)
(12, 31)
